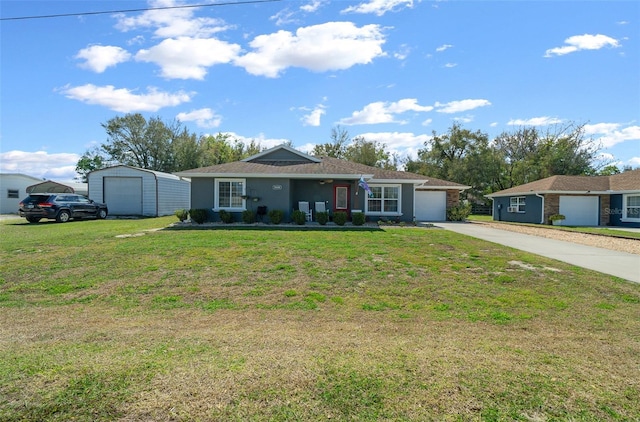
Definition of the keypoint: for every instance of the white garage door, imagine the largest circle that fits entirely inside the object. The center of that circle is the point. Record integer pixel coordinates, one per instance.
(123, 195)
(579, 210)
(431, 205)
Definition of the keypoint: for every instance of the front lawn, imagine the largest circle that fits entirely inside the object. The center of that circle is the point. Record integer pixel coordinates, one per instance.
(112, 320)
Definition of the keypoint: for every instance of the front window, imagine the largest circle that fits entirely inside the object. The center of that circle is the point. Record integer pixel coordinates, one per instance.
(229, 193)
(631, 207)
(384, 200)
(516, 204)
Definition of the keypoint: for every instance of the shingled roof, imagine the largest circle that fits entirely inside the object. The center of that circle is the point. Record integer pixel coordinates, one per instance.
(303, 166)
(627, 181)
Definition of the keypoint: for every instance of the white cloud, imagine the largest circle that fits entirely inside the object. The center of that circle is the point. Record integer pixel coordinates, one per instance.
(60, 167)
(319, 48)
(444, 47)
(403, 52)
(124, 100)
(450, 65)
(259, 139)
(535, 121)
(99, 57)
(204, 117)
(460, 106)
(313, 6)
(634, 161)
(170, 22)
(384, 112)
(313, 118)
(582, 42)
(188, 58)
(612, 134)
(379, 7)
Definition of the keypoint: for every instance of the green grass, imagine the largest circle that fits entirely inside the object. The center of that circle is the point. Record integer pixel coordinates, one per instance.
(396, 324)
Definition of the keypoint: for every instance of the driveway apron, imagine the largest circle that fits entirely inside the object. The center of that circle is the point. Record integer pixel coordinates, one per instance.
(620, 264)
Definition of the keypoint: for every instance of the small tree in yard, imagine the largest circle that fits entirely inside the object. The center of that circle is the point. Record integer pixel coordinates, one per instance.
(459, 213)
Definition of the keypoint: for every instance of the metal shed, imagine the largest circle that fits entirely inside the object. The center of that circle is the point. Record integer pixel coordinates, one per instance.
(132, 191)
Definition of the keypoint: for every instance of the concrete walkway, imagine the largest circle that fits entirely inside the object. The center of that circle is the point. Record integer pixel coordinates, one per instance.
(619, 264)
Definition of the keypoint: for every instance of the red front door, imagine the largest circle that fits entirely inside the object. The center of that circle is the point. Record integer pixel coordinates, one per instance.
(341, 198)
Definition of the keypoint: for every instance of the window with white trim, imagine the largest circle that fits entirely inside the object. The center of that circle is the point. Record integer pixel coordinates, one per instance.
(631, 207)
(517, 203)
(229, 194)
(385, 199)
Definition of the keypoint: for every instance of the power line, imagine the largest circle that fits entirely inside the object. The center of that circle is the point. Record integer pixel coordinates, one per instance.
(136, 10)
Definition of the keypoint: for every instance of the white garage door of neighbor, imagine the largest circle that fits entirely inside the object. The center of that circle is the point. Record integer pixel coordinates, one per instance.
(123, 195)
(579, 210)
(431, 205)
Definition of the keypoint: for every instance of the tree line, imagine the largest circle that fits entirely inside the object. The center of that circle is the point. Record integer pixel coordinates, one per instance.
(459, 155)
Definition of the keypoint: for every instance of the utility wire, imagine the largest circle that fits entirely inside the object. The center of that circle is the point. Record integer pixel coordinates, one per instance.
(136, 10)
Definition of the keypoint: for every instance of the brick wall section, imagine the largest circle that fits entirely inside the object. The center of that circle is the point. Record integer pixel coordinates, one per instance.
(453, 198)
(605, 204)
(551, 205)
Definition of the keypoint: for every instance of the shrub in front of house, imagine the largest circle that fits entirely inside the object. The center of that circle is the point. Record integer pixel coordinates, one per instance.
(248, 217)
(340, 217)
(459, 212)
(358, 218)
(299, 217)
(275, 216)
(198, 215)
(322, 217)
(556, 218)
(182, 214)
(225, 216)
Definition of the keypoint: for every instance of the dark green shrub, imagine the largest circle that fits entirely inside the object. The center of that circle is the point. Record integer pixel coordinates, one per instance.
(275, 216)
(226, 217)
(299, 217)
(322, 217)
(357, 218)
(459, 213)
(248, 217)
(198, 215)
(182, 214)
(340, 217)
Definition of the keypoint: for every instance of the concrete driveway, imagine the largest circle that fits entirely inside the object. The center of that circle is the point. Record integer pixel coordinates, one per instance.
(619, 264)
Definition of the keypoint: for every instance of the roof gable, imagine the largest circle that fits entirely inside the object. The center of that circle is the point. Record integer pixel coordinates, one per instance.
(281, 155)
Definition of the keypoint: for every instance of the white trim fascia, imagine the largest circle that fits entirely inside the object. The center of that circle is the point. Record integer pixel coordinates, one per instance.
(423, 187)
(396, 181)
(273, 176)
(286, 148)
(559, 192)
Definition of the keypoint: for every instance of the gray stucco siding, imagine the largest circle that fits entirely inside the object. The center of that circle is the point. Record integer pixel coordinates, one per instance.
(615, 213)
(532, 210)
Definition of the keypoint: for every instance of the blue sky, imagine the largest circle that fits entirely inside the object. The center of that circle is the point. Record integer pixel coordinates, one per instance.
(392, 71)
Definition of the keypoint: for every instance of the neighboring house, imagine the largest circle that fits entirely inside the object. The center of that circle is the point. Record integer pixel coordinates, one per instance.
(583, 200)
(13, 189)
(281, 177)
(131, 191)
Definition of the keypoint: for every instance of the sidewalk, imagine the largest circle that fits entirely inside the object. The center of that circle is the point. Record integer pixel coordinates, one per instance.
(619, 264)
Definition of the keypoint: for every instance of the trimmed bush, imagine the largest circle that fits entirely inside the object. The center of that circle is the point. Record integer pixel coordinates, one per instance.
(182, 214)
(358, 218)
(248, 217)
(299, 217)
(275, 216)
(322, 217)
(459, 213)
(198, 215)
(340, 217)
(225, 216)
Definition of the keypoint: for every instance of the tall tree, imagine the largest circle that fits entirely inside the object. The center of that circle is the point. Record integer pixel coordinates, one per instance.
(337, 147)
(136, 142)
(91, 160)
(371, 153)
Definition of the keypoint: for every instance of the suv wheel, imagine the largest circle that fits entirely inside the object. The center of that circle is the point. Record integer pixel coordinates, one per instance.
(102, 214)
(63, 216)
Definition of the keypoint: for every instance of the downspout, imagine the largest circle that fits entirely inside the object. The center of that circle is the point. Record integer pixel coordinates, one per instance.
(542, 216)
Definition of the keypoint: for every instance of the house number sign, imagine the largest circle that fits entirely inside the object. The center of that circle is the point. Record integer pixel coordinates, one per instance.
(276, 187)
